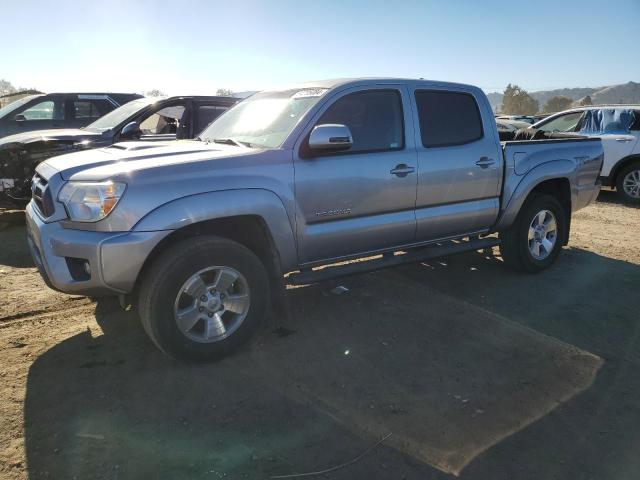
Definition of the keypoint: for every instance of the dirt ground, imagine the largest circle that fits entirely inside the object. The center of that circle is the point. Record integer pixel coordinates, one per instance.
(464, 368)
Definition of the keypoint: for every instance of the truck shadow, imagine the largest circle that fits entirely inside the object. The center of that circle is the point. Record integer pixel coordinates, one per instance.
(612, 197)
(476, 371)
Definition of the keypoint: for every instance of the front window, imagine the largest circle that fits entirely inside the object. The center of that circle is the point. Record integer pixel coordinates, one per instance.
(163, 122)
(119, 115)
(374, 118)
(40, 111)
(10, 107)
(264, 119)
(563, 123)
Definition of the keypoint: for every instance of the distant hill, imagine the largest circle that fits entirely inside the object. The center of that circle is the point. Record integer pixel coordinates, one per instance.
(624, 93)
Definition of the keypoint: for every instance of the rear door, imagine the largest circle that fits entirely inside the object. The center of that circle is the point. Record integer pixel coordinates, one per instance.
(459, 164)
(363, 199)
(81, 110)
(618, 140)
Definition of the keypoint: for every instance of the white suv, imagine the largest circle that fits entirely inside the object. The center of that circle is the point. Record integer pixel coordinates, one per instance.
(619, 128)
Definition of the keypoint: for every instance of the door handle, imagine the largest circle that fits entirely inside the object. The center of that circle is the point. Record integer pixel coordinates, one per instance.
(622, 139)
(485, 162)
(402, 170)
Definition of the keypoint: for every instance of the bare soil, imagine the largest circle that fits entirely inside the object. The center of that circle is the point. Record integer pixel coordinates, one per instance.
(475, 371)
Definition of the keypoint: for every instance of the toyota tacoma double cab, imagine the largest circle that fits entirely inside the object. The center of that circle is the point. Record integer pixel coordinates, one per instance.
(289, 185)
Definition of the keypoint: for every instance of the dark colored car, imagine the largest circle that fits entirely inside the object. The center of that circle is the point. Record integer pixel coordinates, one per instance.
(58, 110)
(142, 119)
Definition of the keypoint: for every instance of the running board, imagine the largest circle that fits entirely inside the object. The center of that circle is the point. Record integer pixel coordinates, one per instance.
(419, 254)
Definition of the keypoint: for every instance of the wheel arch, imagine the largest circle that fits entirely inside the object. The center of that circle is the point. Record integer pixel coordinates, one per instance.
(553, 178)
(618, 167)
(255, 218)
(250, 231)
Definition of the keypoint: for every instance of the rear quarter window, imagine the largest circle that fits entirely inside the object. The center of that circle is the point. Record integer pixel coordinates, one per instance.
(448, 118)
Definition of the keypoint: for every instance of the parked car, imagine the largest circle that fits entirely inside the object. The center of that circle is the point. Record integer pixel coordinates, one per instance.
(518, 118)
(511, 125)
(618, 126)
(540, 116)
(149, 119)
(58, 110)
(200, 234)
(507, 128)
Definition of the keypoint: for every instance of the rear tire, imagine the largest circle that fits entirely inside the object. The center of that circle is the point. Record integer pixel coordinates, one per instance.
(203, 297)
(628, 183)
(531, 245)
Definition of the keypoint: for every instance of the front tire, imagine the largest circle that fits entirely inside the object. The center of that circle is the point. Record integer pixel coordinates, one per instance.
(203, 297)
(534, 241)
(628, 183)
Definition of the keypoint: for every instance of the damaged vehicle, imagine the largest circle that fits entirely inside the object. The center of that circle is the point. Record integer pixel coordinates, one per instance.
(618, 127)
(287, 187)
(58, 110)
(149, 119)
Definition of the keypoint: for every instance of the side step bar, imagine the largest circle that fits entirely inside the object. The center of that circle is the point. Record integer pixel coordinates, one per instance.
(419, 254)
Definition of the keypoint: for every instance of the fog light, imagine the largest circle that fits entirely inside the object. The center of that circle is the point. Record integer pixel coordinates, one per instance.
(79, 268)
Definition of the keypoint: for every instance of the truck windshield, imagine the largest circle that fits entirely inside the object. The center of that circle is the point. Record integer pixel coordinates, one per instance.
(264, 119)
(119, 115)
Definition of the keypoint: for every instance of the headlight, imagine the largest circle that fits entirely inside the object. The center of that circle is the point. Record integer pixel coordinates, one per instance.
(90, 201)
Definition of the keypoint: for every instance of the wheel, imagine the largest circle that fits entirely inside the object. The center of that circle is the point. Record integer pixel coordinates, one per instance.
(203, 298)
(628, 183)
(535, 239)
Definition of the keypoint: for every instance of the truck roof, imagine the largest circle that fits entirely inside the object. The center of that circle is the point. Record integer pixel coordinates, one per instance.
(342, 82)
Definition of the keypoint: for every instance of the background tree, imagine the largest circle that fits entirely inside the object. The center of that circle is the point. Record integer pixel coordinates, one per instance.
(6, 87)
(586, 101)
(155, 93)
(557, 104)
(224, 92)
(516, 101)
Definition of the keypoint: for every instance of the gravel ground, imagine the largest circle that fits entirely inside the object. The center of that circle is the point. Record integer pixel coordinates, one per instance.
(473, 370)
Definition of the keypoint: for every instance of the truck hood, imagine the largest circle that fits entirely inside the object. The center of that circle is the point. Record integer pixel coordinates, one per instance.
(63, 134)
(129, 157)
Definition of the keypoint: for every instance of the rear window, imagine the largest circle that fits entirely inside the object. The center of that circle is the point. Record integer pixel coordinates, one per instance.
(448, 118)
(91, 108)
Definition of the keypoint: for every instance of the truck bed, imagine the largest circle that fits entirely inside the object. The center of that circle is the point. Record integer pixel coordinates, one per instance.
(578, 160)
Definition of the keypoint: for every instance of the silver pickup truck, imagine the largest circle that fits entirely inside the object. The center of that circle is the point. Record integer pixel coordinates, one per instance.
(203, 235)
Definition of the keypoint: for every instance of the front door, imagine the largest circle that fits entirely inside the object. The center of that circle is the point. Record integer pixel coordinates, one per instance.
(363, 199)
(38, 115)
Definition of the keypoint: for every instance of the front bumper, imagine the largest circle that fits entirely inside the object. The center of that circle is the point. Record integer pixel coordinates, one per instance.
(115, 258)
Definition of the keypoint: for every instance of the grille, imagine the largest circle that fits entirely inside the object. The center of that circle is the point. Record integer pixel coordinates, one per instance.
(41, 196)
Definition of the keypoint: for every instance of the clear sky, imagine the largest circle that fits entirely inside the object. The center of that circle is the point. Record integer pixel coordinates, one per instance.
(196, 47)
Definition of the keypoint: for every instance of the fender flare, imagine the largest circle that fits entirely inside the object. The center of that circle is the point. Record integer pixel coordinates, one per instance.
(553, 170)
(202, 207)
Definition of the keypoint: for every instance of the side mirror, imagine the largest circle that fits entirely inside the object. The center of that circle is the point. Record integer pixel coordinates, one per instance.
(131, 131)
(330, 137)
(20, 118)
